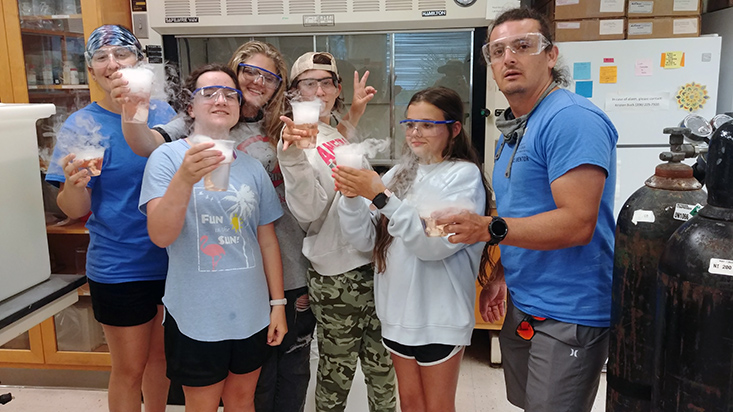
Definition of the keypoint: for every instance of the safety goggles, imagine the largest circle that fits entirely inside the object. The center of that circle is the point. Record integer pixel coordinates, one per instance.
(121, 54)
(525, 329)
(327, 84)
(527, 44)
(211, 94)
(255, 73)
(423, 127)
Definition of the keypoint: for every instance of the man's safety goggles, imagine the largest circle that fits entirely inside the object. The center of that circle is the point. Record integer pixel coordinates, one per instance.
(521, 44)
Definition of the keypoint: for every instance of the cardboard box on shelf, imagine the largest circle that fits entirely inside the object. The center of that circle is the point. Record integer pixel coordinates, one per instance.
(590, 30)
(588, 9)
(663, 27)
(662, 8)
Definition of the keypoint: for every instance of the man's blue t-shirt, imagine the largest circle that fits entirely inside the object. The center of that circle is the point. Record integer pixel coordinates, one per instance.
(571, 285)
(216, 287)
(120, 249)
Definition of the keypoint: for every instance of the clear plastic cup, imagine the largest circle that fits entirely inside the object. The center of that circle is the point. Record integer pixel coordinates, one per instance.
(430, 228)
(349, 156)
(305, 116)
(91, 160)
(218, 179)
(140, 82)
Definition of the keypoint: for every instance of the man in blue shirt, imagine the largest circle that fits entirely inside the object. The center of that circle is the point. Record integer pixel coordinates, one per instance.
(554, 180)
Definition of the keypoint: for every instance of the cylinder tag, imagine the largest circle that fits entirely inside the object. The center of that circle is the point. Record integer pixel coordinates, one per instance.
(643, 216)
(682, 212)
(721, 267)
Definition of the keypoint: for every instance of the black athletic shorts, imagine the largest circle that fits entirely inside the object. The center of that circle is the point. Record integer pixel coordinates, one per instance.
(196, 363)
(425, 355)
(126, 304)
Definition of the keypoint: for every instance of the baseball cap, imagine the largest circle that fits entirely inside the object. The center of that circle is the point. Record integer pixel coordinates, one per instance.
(305, 63)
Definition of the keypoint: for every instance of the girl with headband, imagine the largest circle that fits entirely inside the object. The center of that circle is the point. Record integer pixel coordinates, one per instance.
(125, 270)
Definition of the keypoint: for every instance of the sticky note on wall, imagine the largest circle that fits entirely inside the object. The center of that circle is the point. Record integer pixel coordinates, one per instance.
(584, 89)
(673, 60)
(608, 74)
(581, 71)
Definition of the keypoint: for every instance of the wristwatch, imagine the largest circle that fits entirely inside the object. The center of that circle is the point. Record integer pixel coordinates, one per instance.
(497, 230)
(279, 302)
(381, 199)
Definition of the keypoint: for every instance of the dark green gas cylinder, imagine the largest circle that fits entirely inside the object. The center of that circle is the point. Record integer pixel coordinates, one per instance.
(645, 223)
(694, 337)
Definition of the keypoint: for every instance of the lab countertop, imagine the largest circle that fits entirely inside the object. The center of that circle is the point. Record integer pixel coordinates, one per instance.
(35, 298)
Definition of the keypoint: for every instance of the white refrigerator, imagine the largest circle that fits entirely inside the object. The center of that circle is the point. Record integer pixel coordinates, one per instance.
(645, 86)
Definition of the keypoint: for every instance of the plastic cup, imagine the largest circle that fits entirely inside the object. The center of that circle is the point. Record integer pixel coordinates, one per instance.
(430, 228)
(349, 156)
(218, 179)
(305, 116)
(91, 160)
(140, 82)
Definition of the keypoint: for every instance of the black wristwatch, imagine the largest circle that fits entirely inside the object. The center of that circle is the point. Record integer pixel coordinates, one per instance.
(497, 230)
(380, 200)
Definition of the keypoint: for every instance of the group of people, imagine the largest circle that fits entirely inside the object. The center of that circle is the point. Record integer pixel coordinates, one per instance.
(220, 291)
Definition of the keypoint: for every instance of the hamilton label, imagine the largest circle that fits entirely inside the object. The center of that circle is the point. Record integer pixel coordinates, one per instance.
(434, 13)
(721, 267)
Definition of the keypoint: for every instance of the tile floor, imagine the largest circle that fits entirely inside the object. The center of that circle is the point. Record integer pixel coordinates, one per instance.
(480, 389)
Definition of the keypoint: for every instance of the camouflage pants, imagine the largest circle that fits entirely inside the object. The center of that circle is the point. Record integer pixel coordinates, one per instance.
(348, 330)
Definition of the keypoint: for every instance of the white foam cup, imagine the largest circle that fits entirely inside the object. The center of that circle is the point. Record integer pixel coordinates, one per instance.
(306, 112)
(305, 116)
(137, 105)
(349, 156)
(218, 179)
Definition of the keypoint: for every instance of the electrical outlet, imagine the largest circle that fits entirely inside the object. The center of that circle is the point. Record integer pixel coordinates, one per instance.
(140, 25)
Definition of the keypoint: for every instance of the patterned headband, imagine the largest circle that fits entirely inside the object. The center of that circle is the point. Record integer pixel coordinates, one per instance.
(111, 35)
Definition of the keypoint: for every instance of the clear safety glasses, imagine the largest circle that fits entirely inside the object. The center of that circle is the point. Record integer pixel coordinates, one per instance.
(255, 73)
(121, 54)
(423, 127)
(328, 84)
(522, 44)
(211, 94)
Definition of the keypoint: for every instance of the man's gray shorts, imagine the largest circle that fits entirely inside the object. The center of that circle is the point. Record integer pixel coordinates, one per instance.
(558, 370)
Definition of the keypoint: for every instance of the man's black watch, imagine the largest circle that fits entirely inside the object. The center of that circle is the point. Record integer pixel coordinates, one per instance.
(497, 230)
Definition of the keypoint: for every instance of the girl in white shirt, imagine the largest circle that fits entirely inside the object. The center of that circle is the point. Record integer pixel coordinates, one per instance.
(424, 286)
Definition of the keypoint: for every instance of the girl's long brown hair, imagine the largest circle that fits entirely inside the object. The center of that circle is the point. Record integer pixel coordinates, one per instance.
(458, 148)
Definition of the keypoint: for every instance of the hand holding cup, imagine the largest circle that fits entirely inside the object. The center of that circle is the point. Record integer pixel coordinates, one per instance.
(75, 175)
(198, 161)
(292, 134)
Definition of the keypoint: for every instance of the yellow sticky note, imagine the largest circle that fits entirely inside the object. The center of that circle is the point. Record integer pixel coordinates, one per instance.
(673, 60)
(608, 74)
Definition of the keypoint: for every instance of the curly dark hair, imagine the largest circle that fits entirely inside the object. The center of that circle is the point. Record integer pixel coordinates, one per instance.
(559, 74)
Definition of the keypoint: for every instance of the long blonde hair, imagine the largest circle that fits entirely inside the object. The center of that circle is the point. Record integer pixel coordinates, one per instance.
(275, 107)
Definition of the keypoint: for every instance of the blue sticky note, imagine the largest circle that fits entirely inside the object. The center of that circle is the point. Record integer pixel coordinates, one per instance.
(581, 71)
(584, 89)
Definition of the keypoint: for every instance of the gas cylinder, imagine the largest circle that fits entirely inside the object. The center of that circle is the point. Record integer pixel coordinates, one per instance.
(694, 336)
(645, 223)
